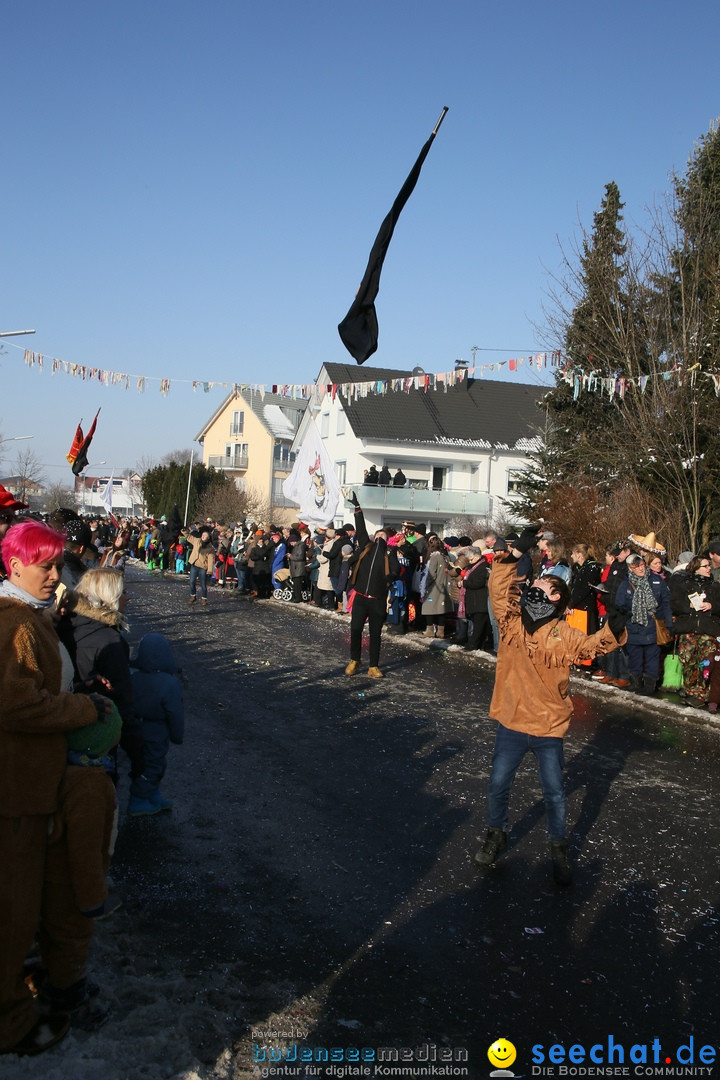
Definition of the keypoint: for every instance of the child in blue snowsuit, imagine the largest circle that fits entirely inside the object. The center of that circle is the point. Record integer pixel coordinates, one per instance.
(157, 691)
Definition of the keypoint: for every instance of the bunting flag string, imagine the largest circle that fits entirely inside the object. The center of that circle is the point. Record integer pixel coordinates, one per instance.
(577, 378)
(618, 385)
(353, 390)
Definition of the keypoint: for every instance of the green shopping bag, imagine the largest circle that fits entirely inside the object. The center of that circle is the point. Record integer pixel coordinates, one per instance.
(672, 673)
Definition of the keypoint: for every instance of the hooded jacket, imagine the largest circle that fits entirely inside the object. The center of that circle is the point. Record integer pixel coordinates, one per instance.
(157, 688)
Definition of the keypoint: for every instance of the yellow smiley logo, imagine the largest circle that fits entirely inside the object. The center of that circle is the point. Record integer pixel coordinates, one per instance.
(502, 1054)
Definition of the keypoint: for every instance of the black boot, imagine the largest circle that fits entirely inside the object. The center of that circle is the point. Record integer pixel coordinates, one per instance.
(635, 684)
(495, 842)
(561, 865)
(648, 685)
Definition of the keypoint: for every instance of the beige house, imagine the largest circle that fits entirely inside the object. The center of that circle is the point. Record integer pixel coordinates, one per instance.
(249, 437)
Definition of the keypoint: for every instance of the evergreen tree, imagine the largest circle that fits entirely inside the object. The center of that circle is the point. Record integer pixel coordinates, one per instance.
(166, 486)
(582, 437)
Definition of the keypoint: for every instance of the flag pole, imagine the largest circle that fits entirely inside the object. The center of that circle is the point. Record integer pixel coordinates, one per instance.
(187, 497)
(442, 117)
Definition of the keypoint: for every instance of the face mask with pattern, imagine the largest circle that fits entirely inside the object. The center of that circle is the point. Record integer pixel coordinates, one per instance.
(537, 606)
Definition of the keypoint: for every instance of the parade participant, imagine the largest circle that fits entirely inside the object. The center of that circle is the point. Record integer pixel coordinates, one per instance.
(36, 712)
(374, 570)
(530, 699)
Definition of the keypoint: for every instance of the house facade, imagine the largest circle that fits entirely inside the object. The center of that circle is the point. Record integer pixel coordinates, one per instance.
(459, 446)
(250, 438)
(25, 490)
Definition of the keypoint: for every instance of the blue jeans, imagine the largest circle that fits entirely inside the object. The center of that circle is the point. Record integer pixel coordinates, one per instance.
(510, 748)
(195, 573)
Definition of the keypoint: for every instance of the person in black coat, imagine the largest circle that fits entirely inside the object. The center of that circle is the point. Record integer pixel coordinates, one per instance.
(261, 556)
(475, 582)
(615, 664)
(375, 568)
(586, 574)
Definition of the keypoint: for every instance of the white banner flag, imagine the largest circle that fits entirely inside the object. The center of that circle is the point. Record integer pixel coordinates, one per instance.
(313, 484)
(106, 497)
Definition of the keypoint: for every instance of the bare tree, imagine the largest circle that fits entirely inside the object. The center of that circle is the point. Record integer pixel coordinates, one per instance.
(59, 497)
(227, 503)
(28, 472)
(179, 457)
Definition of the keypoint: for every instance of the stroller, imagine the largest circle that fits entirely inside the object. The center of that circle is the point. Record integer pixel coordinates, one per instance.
(282, 585)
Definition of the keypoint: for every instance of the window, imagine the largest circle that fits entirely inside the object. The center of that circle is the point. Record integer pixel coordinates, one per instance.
(514, 483)
(439, 477)
(324, 425)
(340, 430)
(283, 456)
(236, 455)
(237, 424)
(341, 470)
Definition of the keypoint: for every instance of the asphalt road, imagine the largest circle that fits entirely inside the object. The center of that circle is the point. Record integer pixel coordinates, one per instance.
(318, 866)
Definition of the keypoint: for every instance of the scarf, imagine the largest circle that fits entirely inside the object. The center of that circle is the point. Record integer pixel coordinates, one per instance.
(13, 592)
(644, 604)
(537, 609)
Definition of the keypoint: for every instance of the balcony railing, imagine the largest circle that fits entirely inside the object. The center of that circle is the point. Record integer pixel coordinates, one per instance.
(219, 461)
(408, 500)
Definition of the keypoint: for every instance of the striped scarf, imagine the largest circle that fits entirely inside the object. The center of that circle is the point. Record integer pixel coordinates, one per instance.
(644, 604)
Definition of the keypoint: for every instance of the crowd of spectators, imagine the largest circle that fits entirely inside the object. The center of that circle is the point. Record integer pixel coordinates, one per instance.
(441, 587)
(69, 682)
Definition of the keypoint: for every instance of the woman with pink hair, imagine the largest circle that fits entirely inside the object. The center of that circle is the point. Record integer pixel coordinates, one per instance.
(36, 712)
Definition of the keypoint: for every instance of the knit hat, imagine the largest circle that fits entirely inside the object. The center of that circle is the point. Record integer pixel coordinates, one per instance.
(96, 739)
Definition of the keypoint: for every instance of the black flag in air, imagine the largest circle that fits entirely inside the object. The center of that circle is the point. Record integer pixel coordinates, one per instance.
(359, 328)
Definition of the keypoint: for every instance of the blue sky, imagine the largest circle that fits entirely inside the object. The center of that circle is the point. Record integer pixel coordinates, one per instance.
(190, 191)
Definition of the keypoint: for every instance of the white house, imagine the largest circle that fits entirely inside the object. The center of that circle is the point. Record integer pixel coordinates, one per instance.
(127, 495)
(459, 445)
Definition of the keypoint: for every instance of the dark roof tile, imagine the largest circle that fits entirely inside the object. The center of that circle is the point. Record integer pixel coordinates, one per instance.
(476, 411)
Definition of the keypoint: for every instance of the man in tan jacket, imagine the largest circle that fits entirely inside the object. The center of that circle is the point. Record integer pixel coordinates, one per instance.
(530, 700)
